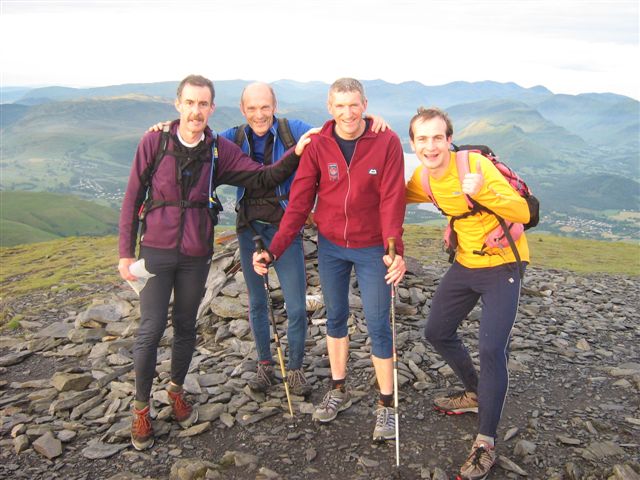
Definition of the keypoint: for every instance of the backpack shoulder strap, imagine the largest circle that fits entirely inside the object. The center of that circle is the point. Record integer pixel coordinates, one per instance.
(284, 132)
(426, 186)
(462, 163)
(239, 137)
(213, 197)
(162, 149)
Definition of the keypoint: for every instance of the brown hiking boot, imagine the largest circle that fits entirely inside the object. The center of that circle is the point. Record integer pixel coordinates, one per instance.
(479, 462)
(457, 403)
(298, 384)
(265, 378)
(183, 412)
(141, 429)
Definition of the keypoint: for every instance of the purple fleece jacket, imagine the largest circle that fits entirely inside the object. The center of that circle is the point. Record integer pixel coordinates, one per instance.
(188, 229)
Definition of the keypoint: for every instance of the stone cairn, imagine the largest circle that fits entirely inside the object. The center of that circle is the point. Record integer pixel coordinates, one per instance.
(83, 404)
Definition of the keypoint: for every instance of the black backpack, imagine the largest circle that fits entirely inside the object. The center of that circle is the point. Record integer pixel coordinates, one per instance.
(213, 205)
(284, 132)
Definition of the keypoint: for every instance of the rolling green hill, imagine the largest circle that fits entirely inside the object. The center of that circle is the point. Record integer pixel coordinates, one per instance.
(27, 217)
(84, 147)
(579, 153)
(593, 192)
(604, 119)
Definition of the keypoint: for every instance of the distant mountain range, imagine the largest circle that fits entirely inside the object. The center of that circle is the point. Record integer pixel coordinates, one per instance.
(579, 152)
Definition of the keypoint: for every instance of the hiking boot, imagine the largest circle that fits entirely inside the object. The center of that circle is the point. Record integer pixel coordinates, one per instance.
(457, 403)
(141, 429)
(385, 424)
(333, 402)
(479, 462)
(298, 384)
(183, 412)
(265, 378)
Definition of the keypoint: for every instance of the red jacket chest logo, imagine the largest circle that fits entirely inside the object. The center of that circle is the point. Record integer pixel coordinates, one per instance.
(333, 172)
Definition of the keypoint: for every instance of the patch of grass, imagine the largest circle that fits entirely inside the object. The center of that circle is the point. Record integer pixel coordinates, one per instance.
(14, 323)
(563, 253)
(424, 243)
(583, 255)
(72, 260)
(75, 265)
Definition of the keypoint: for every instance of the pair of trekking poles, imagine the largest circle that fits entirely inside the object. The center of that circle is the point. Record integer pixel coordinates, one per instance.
(259, 243)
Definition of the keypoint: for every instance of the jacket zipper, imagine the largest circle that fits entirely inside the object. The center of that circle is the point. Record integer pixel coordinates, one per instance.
(346, 198)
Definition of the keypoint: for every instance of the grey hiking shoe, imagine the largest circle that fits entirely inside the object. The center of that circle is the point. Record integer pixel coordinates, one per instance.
(298, 384)
(333, 402)
(457, 403)
(385, 424)
(265, 378)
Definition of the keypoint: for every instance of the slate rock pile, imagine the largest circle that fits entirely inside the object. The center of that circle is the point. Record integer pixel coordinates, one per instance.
(573, 410)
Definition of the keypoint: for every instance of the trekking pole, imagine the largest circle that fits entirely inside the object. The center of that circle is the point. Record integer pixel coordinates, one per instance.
(259, 249)
(392, 254)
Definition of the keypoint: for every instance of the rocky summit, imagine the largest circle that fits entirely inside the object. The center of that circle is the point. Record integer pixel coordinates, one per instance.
(572, 412)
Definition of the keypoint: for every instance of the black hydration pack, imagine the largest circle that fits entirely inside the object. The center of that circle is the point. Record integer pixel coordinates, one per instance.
(285, 135)
(284, 132)
(213, 205)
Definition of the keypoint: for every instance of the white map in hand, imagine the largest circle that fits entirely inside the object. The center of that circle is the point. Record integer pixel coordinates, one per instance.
(140, 271)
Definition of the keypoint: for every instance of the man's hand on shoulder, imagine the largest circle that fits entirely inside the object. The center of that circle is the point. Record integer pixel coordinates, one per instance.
(378, 124)
(305, 139)
(159, 126)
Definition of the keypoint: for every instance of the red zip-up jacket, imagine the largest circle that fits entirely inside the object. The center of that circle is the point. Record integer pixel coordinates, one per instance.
(359, 205)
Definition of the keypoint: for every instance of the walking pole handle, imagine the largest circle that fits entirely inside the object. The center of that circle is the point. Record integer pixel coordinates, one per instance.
(259, 243)
(392, 247)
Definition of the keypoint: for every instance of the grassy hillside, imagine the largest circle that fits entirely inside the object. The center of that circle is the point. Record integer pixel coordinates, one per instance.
(593, 192)
(589, 115)
(547, 251)
(518, 132)
(37, 269)
(84, 147)
(27, 217)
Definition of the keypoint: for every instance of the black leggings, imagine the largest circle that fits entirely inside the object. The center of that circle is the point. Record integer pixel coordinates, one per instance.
(186, 277)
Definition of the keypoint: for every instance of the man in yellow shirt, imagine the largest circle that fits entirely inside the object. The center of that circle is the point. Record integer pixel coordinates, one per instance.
(487, 274)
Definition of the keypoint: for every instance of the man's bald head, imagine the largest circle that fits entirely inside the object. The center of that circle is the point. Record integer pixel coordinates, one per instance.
(258, 105)
(257, 88)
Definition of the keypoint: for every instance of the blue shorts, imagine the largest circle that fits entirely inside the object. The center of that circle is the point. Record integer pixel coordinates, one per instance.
(335, 264)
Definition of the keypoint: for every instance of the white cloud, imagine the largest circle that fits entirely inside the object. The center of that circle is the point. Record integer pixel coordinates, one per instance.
(568, 46)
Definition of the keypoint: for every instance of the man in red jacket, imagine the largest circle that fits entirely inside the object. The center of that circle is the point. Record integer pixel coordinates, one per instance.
(358, 177)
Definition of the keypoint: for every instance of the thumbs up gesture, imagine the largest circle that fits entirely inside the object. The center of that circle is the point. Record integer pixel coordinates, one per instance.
(472, 182)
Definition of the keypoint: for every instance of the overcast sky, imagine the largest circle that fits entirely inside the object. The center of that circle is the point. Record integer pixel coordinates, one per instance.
(569, 46)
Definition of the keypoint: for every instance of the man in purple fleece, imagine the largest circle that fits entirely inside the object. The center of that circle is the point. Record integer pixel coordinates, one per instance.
(176, 241)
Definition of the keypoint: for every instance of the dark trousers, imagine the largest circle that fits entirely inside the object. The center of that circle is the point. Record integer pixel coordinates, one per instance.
(186, 277)
(458, 292)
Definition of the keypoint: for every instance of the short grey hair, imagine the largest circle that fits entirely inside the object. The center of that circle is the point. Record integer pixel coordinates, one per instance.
(347, 84)
(196, 81)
